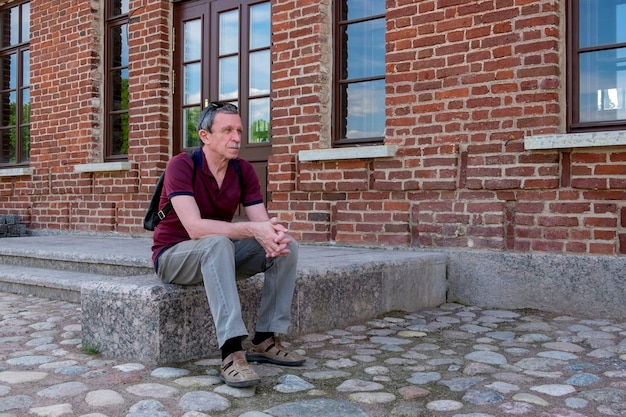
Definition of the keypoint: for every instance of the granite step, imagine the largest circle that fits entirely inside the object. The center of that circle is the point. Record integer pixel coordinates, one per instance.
(51, 283)
(108, 255)
(128, 313)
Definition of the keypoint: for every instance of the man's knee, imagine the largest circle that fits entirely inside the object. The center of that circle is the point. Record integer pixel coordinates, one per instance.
(293, 245)
(217, 243)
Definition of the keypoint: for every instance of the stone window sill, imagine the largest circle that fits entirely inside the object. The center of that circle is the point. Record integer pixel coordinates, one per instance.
(575, 140)
(15, 172)
(103, 167)
(362, 152)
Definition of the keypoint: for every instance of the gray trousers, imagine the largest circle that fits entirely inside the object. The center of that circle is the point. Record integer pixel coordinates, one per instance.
(217, 262)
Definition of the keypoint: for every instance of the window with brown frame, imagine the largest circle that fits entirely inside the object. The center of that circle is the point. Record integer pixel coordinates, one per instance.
(223, 53)
(116, 81)
(15, 84)
(596, 65)
(359, 87)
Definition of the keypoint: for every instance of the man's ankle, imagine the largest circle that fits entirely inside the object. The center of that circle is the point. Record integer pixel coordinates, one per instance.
(231, 346)
(260, 337)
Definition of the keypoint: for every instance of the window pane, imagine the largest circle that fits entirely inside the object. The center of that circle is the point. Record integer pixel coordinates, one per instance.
(190, 120)
(119, 87)
(356, 9)
(25, 144)
(228, 78)
(9, 26)
(25, 106)
(15, 96)
(9, 109)
(260, 26)
(363, 109)
(8, 66)
(364, 49)
(8, 140)
(119, 7)
(191, 83)
(119, 134)
(26, 22)
(228, 32)
(119, 46)
(25, 68)
(603, 85)
(260, 73)
(602, 22)
(259, 113)
(192, 40)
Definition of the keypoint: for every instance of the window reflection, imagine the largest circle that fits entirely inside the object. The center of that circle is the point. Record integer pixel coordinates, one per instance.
(10, 26)
(119, 133)
(362, 109)
(611, 99)
(259, 120)
(190, 119)
(260, 25)
(602, 22)
(228, 32)
(602, 61)
(25, 22)
(192, 83)
(357, 9)
(117, 81)
(228, 78)
(119, 7)
(192, 40)
(119, 46)
(260, 77)
(259, 74)
(14, 85)
(360, 89)
(365, 49)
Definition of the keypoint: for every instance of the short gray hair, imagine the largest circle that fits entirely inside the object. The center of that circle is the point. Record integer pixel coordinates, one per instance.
(207, 116)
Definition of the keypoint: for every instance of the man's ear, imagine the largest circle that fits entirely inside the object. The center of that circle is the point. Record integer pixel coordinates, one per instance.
(204, 135)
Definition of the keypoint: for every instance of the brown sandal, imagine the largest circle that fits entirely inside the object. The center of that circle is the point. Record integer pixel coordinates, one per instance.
(272, 351)
(236, 372)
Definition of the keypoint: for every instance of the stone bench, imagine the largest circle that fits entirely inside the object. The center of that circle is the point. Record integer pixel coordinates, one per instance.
(140, 319)
(128, 313)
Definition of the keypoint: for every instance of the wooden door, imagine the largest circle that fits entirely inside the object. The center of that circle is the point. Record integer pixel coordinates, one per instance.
(222, 53)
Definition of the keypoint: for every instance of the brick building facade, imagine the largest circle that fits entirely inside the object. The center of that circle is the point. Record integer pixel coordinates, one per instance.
(478, 150)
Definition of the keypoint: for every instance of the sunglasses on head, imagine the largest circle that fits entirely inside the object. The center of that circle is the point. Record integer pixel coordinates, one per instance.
(215, 105)
(220, 104)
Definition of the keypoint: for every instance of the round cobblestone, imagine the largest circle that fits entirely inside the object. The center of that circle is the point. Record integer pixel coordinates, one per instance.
(458, 361)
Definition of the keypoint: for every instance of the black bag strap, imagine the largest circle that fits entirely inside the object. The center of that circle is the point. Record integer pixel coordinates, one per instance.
(239, 175)
(197, 162)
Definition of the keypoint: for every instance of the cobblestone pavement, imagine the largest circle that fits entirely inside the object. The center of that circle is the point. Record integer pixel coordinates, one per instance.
(455, 361)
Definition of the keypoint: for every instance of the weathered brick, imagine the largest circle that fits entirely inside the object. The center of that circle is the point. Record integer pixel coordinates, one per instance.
(466, 82)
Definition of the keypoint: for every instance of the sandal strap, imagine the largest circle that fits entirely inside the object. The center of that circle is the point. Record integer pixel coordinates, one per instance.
(238, 371)
(278, 348)
(271, 350)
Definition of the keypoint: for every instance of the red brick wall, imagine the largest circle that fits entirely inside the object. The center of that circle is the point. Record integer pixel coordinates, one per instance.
(63, 89)
(301, 63)
(150, 70)
(66, 126)
(466, 83)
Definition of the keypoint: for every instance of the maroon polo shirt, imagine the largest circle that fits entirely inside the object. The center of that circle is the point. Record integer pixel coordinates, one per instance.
(216, 203)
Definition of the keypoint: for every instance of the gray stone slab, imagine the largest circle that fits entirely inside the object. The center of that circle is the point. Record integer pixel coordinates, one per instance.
(54, 284)
(111, 255)
(145, 320)
(581, 285)
(135, 316)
